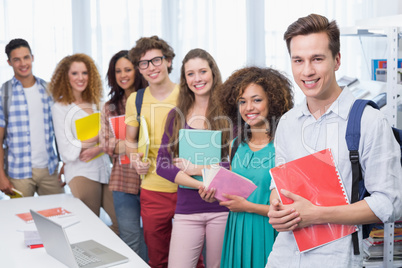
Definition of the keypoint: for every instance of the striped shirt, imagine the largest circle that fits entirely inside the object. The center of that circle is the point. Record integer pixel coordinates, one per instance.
(123, 177)
(18, 139)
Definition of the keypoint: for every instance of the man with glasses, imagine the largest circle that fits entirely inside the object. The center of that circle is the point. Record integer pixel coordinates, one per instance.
(153, 57)
(157, 61)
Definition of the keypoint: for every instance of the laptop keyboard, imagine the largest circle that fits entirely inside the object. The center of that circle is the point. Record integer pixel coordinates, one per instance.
(82, 257)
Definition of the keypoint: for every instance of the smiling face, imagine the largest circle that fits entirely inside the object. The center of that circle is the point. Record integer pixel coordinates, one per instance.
(78, 77)
(199, 76)
(253, 106)
(155, 74)
(21, 61)
(314, 66)
(125, 74)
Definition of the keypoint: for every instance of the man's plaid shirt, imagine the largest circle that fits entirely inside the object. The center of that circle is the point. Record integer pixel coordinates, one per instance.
(18, 138)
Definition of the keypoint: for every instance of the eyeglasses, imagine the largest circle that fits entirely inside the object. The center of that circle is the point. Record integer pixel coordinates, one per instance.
(157, 61)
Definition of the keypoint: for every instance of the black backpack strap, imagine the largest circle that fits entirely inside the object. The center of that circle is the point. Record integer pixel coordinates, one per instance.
(352, 140)
(138, 102)
(236, 143)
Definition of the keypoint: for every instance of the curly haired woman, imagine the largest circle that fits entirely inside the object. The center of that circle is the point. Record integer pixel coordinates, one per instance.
(256, 98)
(77, 89)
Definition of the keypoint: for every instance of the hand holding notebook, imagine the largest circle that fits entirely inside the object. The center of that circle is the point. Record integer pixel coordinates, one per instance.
(200, 147)
(15, 194)
(119, 131)
(88, 128)
(227, 182)
(315, 178)
(143, 140)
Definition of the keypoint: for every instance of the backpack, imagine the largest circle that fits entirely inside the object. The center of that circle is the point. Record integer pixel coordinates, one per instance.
(138, 102)
(352, 139)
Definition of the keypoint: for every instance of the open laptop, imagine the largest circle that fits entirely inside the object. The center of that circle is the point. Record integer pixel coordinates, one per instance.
(85, 254)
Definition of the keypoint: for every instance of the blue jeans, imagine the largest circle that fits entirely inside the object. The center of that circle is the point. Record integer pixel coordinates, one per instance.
(127, 208)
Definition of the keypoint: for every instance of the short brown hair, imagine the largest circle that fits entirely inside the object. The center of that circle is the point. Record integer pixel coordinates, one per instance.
(314, 23)
(145, 44)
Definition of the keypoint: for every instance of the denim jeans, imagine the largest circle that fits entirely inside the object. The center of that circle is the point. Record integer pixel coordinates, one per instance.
(127, 207)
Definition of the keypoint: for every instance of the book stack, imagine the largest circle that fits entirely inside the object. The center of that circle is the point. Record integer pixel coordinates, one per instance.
(379, 70)
(32, 239)
(373, 246)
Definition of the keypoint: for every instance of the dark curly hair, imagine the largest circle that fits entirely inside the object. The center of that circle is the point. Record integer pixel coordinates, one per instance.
(116, 93)
(60, 86)
(277, 87)
(145, 44)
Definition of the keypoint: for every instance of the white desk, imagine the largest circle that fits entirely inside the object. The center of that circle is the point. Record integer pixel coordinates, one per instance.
(13, 252)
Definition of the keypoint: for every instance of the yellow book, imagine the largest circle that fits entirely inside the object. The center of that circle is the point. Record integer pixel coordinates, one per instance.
(143, 140)
(88, 127)
(15, 194)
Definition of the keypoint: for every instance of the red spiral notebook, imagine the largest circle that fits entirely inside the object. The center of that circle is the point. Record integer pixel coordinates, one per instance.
(316, 178)
(119, 131)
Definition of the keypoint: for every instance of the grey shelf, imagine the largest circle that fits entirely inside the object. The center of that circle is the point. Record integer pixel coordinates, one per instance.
(393, 35)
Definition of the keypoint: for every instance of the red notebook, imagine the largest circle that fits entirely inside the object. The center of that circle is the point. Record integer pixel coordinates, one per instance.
(316, 178)
(119, 131)
(227, 182)
(49, 213)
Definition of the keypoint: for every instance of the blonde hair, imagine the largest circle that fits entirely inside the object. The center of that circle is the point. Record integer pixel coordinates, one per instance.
(60, 86)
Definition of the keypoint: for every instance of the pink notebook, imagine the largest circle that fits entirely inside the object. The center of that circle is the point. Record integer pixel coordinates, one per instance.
(316, 178)
(227, 182)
